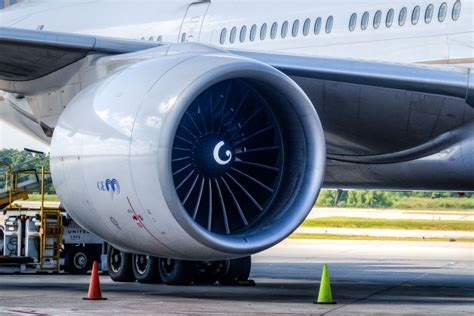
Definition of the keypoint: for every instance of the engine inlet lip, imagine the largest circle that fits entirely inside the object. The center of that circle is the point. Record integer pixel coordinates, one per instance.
(303, 201)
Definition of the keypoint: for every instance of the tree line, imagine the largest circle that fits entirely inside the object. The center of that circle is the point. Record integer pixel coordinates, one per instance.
(402, 200)
(22, 160)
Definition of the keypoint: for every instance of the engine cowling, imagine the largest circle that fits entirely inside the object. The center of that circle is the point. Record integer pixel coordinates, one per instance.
(190, 156)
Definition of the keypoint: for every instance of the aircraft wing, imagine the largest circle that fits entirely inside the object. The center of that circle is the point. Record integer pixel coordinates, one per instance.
(29, 54)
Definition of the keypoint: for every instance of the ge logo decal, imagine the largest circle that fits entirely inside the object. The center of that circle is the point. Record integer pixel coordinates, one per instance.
(217, 158)
(109, 185)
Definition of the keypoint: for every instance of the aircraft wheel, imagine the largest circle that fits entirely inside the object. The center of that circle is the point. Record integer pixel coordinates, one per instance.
(208, 272)
(119, 265)
(145, 269)
(176, 272)
(237, 270)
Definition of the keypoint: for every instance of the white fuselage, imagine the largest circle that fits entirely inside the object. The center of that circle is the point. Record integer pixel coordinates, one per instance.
(440, 35)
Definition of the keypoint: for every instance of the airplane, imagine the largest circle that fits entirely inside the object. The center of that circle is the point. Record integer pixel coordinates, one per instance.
(202, 131)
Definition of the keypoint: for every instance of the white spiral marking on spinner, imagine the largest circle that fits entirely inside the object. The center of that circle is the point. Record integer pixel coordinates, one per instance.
(228, 153)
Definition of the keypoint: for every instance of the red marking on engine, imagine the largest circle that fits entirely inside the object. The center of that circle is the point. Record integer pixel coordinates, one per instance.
(139, 219)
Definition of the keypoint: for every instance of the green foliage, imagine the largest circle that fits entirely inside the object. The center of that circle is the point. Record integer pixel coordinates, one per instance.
(399, 200)
(326, 198)
(23, 160)
(442, 203)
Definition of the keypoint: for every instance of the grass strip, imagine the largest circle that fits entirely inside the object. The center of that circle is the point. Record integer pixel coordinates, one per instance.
(410, 224)
(381, 238)
(47, 197)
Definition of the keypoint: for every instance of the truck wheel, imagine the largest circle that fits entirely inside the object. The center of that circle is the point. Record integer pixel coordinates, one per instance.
(176, 272)
(238, 270)
(77, 260)
(119, 265)
(145, 269)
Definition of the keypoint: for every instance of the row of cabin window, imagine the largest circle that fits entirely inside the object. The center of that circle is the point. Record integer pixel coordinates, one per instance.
(415, 17)
(274, 30)
(152, 38)
(456, 12)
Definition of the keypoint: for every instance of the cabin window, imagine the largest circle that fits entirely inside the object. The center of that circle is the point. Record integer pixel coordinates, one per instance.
(284, 29)
(365, 20)
(402, 17)
(317, 26)
(253, 32)
(306, 26)
(329, 24)
(456, 10)
(274, 30)
(443, 9)
(223, 36)
(415, 16)
(243, 33)
(353, 22)
(429, 13)
(160, 38)
(390, 16)
(263, 31)
(377, 19)
(296, 28)
(233, 35)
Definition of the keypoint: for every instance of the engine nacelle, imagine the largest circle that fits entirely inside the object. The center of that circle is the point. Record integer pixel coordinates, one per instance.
(190, 156)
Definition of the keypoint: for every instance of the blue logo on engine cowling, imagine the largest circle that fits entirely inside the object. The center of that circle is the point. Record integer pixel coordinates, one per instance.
(109, 185)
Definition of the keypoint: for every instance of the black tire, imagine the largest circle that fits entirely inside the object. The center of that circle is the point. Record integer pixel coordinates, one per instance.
(145, 269)
(238, 270)
(176, 272)
(77, 260)
(208, 272)
(119, 265)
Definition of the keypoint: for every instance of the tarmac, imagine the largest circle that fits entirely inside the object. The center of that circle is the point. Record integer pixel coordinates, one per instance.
(367, 277)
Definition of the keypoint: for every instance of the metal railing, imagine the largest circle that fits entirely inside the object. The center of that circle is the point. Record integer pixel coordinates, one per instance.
(19, 183)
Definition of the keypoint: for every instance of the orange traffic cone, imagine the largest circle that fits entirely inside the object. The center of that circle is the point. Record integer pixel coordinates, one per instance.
(94, 293)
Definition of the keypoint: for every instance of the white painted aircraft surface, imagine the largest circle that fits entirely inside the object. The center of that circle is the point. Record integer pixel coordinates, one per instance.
(204, 130)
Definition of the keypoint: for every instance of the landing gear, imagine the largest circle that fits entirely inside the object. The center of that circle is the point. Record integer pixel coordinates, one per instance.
(125, 267)
(119, 265)
(145, 269)
(237, 270)
(208, 272)
(226, 272)
(176, 272)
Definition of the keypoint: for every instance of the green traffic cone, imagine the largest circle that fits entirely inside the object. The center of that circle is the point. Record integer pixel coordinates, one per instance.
(325, 296)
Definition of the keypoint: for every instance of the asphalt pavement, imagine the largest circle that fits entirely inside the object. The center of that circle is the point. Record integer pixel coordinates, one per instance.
(367, 277)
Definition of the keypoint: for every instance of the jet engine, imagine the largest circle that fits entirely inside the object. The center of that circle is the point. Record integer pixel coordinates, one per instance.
(190, 156)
